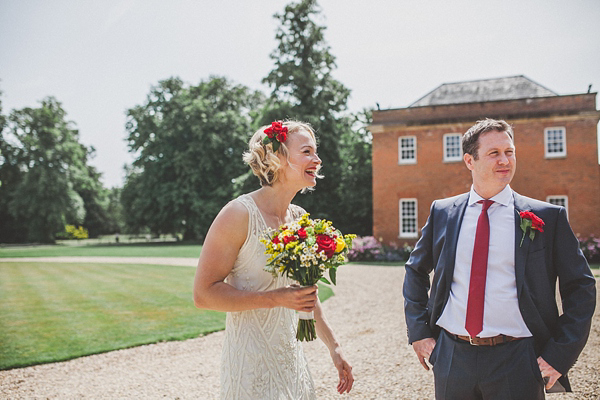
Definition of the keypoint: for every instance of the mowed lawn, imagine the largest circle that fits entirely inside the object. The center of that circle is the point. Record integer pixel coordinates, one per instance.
(53, 311)
(104, 250)
(58, 311)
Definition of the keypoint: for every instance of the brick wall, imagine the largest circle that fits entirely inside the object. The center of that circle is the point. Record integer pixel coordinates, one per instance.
(576, 176)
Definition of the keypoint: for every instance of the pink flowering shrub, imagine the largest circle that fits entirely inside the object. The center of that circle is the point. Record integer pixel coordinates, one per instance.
(367, 248)
(590, 247)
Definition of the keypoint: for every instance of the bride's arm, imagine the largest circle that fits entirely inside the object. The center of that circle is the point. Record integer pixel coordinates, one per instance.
(219, 252)
(325, 333)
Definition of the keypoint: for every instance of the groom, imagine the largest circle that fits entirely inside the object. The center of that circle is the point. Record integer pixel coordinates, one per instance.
(490, 325)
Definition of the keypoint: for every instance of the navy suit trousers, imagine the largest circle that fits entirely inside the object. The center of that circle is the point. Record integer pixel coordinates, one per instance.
(507, 371)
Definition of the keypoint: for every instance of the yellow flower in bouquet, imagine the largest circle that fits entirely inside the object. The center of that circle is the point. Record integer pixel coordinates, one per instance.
(340, 245)
(303, 250)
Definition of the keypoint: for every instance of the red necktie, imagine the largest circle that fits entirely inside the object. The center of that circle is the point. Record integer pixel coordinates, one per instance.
(474, 320)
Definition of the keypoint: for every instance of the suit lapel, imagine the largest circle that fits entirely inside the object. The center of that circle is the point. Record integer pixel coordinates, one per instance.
(455, 217)
(520, 250)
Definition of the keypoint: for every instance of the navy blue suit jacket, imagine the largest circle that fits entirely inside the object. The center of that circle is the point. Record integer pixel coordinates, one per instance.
(553, 254)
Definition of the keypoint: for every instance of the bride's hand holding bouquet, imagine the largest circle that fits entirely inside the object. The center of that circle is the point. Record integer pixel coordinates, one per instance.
(303, 250)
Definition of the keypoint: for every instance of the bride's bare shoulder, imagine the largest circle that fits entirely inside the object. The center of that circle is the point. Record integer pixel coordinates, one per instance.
(234, 213)
(231, 222)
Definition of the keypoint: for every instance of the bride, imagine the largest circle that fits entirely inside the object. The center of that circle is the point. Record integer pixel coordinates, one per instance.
(261, 357)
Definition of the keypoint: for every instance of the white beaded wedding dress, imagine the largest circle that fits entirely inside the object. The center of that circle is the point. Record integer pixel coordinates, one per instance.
(261, 357)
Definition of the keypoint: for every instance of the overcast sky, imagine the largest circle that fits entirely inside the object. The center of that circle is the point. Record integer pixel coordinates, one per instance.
(100, 58)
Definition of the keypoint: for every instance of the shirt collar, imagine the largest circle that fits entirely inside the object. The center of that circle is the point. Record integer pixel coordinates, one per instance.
(505, 197)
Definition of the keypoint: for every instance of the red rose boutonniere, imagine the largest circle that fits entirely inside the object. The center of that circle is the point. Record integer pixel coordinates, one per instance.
(276, 134)
(532, 222)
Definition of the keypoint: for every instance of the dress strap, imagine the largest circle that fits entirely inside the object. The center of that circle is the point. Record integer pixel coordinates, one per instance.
(255, 222)
(296, 211)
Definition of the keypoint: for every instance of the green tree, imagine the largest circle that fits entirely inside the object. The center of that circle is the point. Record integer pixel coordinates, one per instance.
(303, 88)
(2, 117)
(87, 184)
(115, 211)
(356, 184)
(42, 156)
(189, 141)
(10, 174)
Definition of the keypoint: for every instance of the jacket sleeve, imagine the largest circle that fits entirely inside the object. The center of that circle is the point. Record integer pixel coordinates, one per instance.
(577, 287)
(417, 284)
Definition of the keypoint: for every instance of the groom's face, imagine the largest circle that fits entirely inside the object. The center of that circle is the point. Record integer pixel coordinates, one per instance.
(495, 165)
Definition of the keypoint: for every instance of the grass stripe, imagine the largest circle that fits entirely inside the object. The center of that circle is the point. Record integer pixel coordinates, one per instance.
(114, 250)
(53, 312)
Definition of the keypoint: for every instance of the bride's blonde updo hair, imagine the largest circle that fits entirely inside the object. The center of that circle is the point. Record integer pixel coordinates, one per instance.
(265, 163)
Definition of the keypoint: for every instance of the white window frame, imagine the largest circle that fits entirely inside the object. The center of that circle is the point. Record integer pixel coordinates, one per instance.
(560, 154)
(454, 158)
(564, 198)
(405, 161)
(401, 217)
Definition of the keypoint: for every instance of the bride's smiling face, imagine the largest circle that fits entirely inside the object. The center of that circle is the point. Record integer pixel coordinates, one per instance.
(303, 163)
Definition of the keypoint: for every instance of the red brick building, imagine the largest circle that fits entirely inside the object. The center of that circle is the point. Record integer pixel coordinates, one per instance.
(417, 154)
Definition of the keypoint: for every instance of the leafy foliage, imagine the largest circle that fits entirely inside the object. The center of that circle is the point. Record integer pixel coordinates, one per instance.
(98, 219)
(44, 171)
(355, 188)
(189, 141)
(304, 88)
(10, 174)
(114, 209)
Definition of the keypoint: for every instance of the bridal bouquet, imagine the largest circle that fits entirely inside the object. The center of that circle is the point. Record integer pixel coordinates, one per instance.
(303, 250)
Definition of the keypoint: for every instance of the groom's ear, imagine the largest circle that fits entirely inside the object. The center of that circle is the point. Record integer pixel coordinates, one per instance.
(469, 159)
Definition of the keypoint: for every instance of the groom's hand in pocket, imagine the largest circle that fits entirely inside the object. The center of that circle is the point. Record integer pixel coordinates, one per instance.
(296, 297)
(549, 374)
(424, 348)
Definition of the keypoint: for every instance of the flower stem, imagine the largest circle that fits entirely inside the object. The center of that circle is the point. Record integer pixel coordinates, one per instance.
(306, 330)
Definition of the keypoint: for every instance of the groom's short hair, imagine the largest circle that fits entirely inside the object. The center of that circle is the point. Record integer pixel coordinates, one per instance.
(470, 140)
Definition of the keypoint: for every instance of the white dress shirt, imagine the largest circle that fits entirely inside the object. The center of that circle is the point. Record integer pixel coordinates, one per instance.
(501, 315)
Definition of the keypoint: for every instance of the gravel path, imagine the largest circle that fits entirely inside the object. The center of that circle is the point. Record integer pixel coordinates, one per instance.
(366, 313)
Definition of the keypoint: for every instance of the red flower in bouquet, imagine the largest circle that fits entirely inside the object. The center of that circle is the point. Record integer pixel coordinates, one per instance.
(327, 244)
(289, 238)
(302, 233)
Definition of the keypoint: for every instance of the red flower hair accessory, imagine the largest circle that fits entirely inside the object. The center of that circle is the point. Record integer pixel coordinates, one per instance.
(532, 222)
(276, 134)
